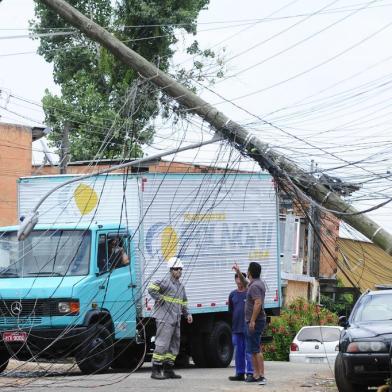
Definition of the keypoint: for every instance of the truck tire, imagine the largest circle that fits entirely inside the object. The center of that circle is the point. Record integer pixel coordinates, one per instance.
(219, 346)
(197, 351)
(4, 358)
(130, 358)
(343, 384)
(96, 353)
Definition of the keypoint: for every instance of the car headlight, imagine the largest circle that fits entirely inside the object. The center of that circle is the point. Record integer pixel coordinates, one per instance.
(69, 307)
(367, 347)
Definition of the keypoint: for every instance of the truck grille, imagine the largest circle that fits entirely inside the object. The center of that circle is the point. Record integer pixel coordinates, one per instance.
(28, 307)
(20, 321)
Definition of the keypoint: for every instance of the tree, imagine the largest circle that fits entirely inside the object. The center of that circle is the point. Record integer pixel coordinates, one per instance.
(107, 106)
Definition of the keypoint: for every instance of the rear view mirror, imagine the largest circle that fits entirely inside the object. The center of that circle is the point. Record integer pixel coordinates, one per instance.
(343, 322)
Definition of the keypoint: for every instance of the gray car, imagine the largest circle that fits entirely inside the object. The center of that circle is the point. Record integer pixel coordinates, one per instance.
(364, 347)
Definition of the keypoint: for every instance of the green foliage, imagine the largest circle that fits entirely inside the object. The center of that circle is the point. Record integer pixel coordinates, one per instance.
(341, 307)
(284, 328)
(101, 96)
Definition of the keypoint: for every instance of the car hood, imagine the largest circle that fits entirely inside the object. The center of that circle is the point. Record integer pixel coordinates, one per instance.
(371, 330)
(39, 287)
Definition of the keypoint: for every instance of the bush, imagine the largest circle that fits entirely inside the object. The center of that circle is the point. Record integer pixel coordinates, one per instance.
(284, 328)
(341, 307)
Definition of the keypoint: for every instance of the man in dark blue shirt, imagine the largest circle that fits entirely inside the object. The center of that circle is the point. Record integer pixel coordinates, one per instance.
(237, 299)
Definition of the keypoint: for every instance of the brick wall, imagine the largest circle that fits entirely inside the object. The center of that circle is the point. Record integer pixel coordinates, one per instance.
(15, 161)
(329, 234)
(158, 167)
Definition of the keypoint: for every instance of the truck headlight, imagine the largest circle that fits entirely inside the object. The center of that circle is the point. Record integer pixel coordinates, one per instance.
(69, 307)
(367, 347)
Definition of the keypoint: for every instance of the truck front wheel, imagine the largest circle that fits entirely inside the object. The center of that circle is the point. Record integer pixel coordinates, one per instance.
(4, 358)
(96, 353)
(219, 346)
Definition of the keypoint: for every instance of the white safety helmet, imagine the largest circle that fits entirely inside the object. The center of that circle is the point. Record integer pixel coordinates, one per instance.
(175, 262)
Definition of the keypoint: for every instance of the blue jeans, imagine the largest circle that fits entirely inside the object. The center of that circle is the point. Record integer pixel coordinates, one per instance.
(253, 338)
(240, 356)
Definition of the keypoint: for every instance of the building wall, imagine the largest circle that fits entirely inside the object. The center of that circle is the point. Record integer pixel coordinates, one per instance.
(158, 167)
(324, 245)
(15, 161)
(329, 234)
(295, 289)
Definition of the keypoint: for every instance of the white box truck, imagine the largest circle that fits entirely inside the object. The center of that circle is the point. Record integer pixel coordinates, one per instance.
(59, 297)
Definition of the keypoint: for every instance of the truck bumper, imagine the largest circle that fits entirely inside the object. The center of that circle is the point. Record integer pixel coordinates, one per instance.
(48, 343)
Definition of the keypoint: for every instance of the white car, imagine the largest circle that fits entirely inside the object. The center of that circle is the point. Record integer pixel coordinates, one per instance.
(316, 344)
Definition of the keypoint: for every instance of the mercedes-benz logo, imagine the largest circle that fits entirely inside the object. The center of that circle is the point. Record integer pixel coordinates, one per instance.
(16, 308)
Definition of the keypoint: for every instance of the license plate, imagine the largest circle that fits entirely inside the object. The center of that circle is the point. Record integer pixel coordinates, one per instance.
(9, 337)
(316, 360)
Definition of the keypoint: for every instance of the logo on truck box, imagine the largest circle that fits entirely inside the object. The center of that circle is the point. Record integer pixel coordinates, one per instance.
(188, 239)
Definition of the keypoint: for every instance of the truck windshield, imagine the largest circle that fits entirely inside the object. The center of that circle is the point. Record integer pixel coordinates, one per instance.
(45, 253)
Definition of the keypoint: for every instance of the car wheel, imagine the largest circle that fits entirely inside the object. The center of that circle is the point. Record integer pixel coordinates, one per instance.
(4, 358)
(343, 384)
(219, 346)
(96, 353)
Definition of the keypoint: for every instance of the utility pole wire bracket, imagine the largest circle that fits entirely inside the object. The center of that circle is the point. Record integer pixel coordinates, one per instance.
(375, 233)
(326, 197)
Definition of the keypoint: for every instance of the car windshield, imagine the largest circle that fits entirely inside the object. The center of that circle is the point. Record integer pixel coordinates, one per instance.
(374, 308)
(45, 253)
(320, 334)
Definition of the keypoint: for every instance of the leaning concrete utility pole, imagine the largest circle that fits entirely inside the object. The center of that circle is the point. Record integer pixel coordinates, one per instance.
(268, 159)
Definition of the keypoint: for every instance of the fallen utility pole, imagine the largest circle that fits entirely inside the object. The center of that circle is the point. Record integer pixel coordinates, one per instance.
(268, 159)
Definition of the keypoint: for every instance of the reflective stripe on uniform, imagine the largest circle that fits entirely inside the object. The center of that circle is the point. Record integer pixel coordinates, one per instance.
(158, 357)
(174, 300)
(154, 287)
(164, 357)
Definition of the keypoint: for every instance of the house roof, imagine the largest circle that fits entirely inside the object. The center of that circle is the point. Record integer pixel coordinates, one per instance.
(364, 263)
(38, 132)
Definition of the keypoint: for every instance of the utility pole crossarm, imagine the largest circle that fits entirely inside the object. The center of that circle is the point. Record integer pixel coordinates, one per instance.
(268, 159)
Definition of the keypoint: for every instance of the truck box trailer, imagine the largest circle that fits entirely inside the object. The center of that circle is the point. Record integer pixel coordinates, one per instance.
(61, 297)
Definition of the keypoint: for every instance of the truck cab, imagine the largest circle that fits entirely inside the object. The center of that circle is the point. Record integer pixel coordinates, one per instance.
(68, 292)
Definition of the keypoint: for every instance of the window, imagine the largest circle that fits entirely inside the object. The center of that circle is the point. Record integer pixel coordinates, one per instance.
(296, 227)
(112, 251)
(319, 334)
(45, 253)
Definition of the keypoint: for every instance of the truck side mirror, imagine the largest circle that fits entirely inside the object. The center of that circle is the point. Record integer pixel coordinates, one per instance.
(343, 322)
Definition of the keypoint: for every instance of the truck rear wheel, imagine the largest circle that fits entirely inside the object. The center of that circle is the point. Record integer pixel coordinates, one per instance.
(96, 353)
(4, 358)
(219, 346)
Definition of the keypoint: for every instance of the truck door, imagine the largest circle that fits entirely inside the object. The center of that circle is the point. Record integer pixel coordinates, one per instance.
(116, 268)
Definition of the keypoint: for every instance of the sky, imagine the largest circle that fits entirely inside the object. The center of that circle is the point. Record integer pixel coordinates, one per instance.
(310, 77)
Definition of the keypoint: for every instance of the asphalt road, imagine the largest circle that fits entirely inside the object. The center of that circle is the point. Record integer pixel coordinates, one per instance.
(281, 376)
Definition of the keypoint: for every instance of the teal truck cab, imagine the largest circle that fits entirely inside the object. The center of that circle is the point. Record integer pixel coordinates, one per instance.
(62, 295)
(76, 287)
